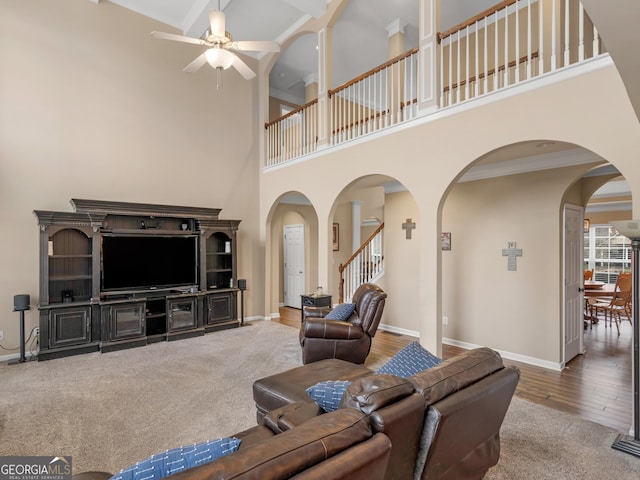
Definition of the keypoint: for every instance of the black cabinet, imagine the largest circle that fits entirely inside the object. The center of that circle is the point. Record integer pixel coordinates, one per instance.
(221, 310)
(123, 324)
(65, 330)
(182, 317)
(313, 300)
(69, 326)
(82, 309)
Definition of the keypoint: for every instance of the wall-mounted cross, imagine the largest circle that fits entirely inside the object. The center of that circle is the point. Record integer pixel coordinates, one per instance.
(408, 226)
(511, 252)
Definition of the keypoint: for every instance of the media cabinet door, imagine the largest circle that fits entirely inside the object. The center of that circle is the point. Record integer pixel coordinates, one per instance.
(182, 313)
(221, 309)
(126, 320)
(69, 326)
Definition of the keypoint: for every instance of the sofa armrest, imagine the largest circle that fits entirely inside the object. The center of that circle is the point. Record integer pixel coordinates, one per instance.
(289, 416)
(315, 312)
(333, 329)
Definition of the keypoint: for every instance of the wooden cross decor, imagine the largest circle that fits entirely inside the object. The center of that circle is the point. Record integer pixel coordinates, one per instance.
(511, 252)
(408, 226)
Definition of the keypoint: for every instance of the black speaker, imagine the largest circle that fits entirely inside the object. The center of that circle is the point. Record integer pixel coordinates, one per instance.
(21, 302)
(242, 284)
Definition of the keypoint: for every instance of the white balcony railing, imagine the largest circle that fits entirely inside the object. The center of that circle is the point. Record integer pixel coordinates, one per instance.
(382, 97)
(513, 42)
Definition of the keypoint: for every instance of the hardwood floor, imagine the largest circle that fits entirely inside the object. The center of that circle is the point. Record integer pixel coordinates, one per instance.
(596, 385)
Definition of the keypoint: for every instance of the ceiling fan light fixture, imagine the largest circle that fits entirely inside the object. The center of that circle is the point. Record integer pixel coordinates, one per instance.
(219, 58)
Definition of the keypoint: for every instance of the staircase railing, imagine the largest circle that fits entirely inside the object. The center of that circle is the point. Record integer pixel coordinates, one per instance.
(363, 266)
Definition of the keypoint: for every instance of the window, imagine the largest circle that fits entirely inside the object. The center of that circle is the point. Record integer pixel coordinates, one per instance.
(607, 253)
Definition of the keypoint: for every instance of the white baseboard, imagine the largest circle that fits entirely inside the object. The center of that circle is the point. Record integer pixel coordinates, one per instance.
(401, 331)
(509, 355)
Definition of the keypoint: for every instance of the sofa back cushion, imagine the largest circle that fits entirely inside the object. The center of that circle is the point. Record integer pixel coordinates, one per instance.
(456, 373)
(371, 393)
(369, 300)
(291, 452)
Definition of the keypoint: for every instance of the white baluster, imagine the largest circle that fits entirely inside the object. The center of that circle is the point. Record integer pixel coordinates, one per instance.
(541, 37)
(466, 65)
(580, 32)
(506, 47)
(567, 32)
(529, 51)
(486, 58)
(496, 61)
(517, 72)
(554, 40)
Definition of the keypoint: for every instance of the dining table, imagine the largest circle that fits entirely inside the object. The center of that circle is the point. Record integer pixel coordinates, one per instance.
(594, 288)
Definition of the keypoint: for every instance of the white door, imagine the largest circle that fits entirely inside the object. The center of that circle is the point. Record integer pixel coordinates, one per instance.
(293, 264)
(573, 281)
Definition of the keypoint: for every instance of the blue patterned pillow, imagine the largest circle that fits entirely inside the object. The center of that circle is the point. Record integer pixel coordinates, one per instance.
(410, 360)
(328, 394)
(172, 461)
(341, 312)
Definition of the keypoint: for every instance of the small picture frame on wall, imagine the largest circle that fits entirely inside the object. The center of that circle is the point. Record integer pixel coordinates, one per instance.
(587, 225)
(336, 237)
(445, 240)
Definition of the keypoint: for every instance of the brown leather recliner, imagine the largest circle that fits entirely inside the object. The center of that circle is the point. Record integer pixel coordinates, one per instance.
(348, 340)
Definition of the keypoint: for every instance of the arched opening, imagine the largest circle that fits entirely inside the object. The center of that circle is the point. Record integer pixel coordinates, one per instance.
(292, 209)
(505, 279)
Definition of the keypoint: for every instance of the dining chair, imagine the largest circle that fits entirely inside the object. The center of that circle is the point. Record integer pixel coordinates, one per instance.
(588, 274)
(618, 305)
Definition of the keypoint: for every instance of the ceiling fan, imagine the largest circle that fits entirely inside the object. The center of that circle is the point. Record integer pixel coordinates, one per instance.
(221, 52)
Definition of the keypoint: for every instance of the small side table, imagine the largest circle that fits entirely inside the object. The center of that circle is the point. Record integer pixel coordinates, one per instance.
(313, 300)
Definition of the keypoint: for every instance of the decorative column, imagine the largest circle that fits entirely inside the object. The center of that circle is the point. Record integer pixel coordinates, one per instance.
(324, 82)
(356, 208)
(429, 59)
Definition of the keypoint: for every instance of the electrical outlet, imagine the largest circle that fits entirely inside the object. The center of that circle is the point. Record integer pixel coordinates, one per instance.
(1, 335)
(445, 320)
(36, 331)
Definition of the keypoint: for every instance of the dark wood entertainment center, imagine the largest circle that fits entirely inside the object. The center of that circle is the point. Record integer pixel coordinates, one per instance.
(82, 310)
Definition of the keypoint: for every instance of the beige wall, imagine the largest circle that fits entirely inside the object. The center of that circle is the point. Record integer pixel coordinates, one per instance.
(486, 304)
(428, 157)
(91, 106)
(401, 265)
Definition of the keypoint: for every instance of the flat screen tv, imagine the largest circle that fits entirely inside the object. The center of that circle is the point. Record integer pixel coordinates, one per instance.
(148, 261)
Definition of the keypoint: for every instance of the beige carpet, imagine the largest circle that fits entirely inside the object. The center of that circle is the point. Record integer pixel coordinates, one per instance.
(109, 410)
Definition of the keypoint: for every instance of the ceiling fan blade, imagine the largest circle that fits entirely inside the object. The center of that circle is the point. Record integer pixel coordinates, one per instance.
(196, 64)
(257, 46)
(178, 38)
(243, 68)
(217, 22)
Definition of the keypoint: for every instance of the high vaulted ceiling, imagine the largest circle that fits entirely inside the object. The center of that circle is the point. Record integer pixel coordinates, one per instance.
(360, 37)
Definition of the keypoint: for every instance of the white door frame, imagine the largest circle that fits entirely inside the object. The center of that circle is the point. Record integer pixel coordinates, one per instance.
(293, 258)
(572, 287)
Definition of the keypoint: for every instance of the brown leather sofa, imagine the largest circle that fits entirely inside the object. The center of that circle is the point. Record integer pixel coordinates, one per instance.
(443, 423)
(348, 340)
(339, 445)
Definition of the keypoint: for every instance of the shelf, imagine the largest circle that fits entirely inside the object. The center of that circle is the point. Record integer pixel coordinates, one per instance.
(67, 278)
(84, 255)
(218, 253)
(155, 315)
(218, 270)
